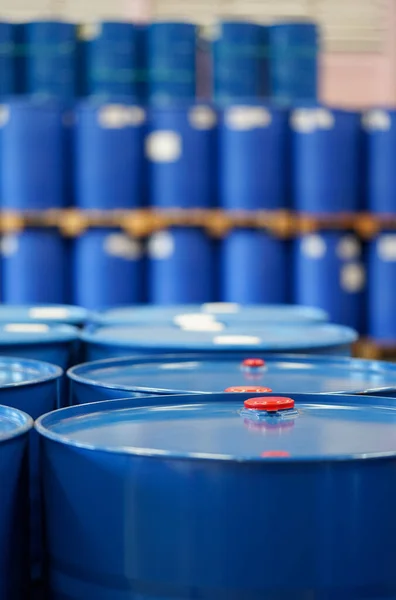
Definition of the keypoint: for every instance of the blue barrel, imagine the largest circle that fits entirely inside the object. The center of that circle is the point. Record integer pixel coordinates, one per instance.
(44, 313)
(182, 156)
(180, 266)
(107, 269)
(254, 268)
(50, 55)
(329, 272)
(284, 469)
(171, 62)
(35, 267)
(294, 49)
(240, 62)
(32, 155)
(205, 373)
(114, 341)
(228, 313)
(112, 61)
(326, 153)
(108, 158)
(15, 427)
(253, 158)
(380, 145)
(7, 59)
(382, 288)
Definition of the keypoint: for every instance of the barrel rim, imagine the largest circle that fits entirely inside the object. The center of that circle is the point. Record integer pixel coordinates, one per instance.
(54, 371)
(26, 422)
(20, 313)
(55, 333)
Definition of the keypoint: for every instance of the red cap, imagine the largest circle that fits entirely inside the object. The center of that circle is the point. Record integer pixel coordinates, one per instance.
(248, 389)
(253, 362)
(275, 454)
(271, 404)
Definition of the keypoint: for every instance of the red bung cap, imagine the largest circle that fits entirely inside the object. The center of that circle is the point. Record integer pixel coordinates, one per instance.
(271, 404)
(275, 454)
(253, 362)
(248, 389)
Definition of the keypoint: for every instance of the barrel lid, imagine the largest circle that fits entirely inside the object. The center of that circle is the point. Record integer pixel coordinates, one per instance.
(207, 373)
(43, 313)
(36, 333)
(224, 427)
(260, 337)
(227, 312)
(13, 423)
(22, 371)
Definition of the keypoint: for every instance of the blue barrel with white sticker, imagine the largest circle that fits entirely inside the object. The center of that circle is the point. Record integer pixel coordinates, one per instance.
(380, 145)
(240, 62)
(112, 61)
(108, 159)
(50, 57)
(171, 62)
(296, 483)
(181, 151)
(44, 313)
(253, 268)
(294, 50)
(35, 265)
(181, 267)
(7, 59)
(326, 160)
(15, 427)
(107, 269)
(32, 156)
(253, 157)
(330, 273)
(214, 337)
(381, 287)
(204, 373)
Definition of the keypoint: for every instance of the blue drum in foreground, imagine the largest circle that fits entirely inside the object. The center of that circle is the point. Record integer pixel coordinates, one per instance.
(44, 313)
(205, 373)
(108, 342)
(220, 497)
(14, 504)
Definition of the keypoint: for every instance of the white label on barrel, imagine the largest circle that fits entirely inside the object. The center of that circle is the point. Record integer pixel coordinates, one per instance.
(386, 247)
(26, 328)
(376, 120)
(236, 340)
(161, 245)
(353, 278)
(192, 318)
(304, 120)
(245, 118)
(122, 246)
(313, 246)
(348, 248)
(324, 118)
(89, 31)
(4, 114)
(202, 117)
(163, 146)
(9, 244)
(134, 115)
(112, 116)
(48, 312)
(221, 307)
(210, 32)
(202, 326)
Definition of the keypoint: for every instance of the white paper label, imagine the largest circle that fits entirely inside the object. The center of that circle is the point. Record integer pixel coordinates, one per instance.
(48, 312)
(161, 245)
(122, 246)
(202, 117)
(324, 118)
(134, 115)
(349, 248)
(386, 247)
(163, 146)
(112, 116)
(4, 114)
(236, 340)
(203, 326)
(26, 328)
(313, 246)
(376, 120)
(9, 244)
(303, 120)
(353, 278)
(192, 318)
(245, 118)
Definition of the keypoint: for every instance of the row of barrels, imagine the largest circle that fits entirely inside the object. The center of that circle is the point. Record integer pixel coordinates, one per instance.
(160, 63)
(121, 472)
(244, 157)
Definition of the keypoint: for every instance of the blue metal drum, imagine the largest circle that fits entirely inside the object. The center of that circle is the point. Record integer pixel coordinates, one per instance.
(182, 156)
(109, 342)
(112, 61)
(380, 146)
(246, 487)
(181, 266)
(35, 267)
(171, 63)
(294, 49)
(32, 156)
(205, 373)
(7, 60)
(382, 287)
(50, 48)
(228, 313)
(44, 313)
(15, 427)
(330, 273)
(107, 269)
(325, 160)
(253, 268)
(240, 62)
(253, 157)
(108, 156)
